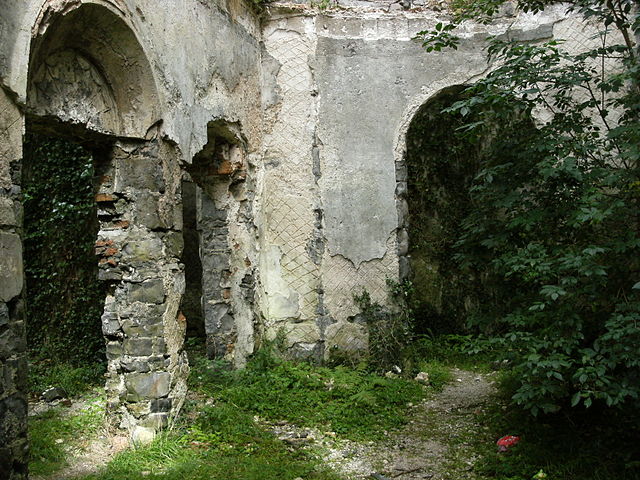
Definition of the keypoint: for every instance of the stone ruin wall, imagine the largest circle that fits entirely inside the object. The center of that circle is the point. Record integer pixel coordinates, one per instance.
(290, 129)
(345, 83)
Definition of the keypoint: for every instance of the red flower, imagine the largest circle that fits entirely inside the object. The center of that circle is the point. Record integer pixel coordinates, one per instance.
(507, 442)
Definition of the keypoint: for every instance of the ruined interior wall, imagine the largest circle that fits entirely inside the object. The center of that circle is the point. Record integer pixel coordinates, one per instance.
(204, 61)
(347, 82)
(13, 357)
(225, 194)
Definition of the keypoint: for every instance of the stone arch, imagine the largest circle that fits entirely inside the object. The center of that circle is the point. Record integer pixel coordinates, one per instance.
(434, 175)
(90, 81)
(87, 67)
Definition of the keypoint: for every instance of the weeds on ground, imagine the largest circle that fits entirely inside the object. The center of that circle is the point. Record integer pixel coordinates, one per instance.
(53, 432)
(220, 440)
(223, 443)
(351, 402)
(74, 380)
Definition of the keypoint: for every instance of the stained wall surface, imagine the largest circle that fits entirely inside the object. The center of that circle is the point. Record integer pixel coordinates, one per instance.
(346, 83)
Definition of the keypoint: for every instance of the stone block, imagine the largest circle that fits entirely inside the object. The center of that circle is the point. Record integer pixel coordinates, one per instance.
(114, 350)
(11, 270)
(156, 421)
(110, 324)
(209, 212)
(213, 260)
(140, 249)
(161, 405)
(138, 173)
(7, 212)
(403, 211)
(174, 244)
(145, 210)
(149, 291)
(401, 189)
(214, 317)
(138, 347)
(147, 385)
(4, 315)
(159, 346)
(13, 374)
(403, 242)
(142, 435)
(12, 341)
(404, 268)
(135, 365)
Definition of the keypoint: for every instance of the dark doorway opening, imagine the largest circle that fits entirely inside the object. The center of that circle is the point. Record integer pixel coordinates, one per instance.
(64, 298)
(192, 306)
(441, 166)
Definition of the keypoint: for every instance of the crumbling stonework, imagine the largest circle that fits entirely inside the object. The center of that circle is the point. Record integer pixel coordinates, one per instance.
(291, 127)
(13, 347)
(225, 229)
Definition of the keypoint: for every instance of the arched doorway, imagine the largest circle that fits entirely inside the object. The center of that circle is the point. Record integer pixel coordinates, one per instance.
(440, 166)
(90, 83)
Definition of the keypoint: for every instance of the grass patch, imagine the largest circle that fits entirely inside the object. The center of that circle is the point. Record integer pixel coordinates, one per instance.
(460, 351)
(351, 402)
(74, 380)
(54, 431)
(222, 443)
(439, 373)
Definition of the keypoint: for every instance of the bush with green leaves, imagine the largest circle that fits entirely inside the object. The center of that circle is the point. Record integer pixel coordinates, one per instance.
(389, 328)
(555, 223)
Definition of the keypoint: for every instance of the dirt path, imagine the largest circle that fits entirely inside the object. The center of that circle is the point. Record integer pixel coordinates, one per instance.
(436, 443)
(87, 452)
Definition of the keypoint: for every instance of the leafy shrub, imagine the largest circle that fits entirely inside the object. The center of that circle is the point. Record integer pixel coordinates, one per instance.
(555, 217)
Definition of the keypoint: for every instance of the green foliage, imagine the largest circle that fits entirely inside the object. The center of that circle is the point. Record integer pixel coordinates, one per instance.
(73, 380)
(441, 167)
(388, 327)
(350, 402)
(555, 221)
(581, 446)
(53, 432)
(64, 297)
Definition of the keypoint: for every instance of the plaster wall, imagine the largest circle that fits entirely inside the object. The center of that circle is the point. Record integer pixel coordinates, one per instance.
(347, 83)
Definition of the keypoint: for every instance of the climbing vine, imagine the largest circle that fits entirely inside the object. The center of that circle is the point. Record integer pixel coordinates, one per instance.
(64, 297)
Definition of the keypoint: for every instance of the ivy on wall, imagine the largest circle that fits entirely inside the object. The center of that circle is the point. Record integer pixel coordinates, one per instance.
(64, 297)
